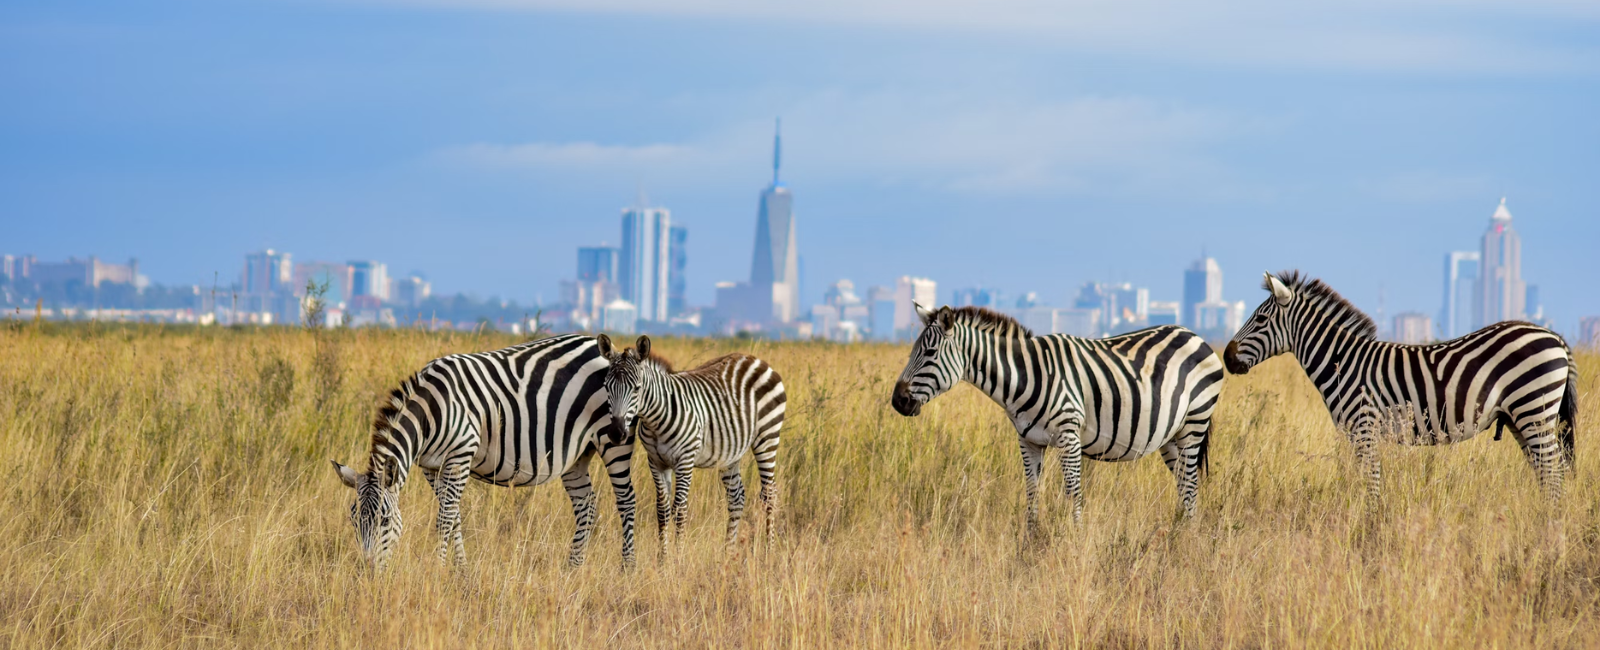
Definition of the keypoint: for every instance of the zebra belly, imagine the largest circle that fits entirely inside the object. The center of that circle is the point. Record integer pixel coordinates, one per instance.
(1112, 445)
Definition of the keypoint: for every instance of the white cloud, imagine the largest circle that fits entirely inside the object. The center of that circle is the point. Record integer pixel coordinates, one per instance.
(1093, 144)
(1376, 35)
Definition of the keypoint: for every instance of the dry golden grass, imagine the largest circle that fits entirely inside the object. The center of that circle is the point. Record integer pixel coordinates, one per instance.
(171, 488)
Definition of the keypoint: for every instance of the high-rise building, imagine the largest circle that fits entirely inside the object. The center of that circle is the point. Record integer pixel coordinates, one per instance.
(979, 297)
(880, 313)
(1461, 296)
(1202, 283)
(369, 279)
(1123, 307)
(677, 267)
(1533, 307)
(1501, 285)
(1412, 327)
(1163, 313)
(598, 263)
(774, 269)
(336, 277)
(908, 292)
(410, 291)
(645, 264)
(267, 272)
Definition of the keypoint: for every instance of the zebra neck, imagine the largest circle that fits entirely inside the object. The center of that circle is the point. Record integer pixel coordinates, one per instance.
(655, 390)
(393, 454)
(994, 363)
(1323, 351)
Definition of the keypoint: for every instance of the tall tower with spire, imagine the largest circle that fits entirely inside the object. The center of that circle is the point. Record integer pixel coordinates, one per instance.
(774, 269)
(1501, 289)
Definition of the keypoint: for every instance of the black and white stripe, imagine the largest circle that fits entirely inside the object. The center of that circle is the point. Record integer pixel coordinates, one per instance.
(708, 417)
(1110, 399)
(1512, 374)
(514, 417)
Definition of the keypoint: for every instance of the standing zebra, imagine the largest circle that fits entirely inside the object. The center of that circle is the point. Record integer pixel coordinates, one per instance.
(1111, 399)
(512, 417)
(708, 417)
(1509, 374)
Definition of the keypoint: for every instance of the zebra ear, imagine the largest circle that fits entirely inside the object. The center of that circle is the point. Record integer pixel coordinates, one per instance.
(923, 313)
(1281, 293)
(605, 345)
(347, 475)
(643, 346)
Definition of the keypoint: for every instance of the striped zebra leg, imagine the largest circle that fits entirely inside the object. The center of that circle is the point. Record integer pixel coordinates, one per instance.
(1072, 475)
(618, 458)
(439, 525)
(1182, 457)
(1032, 458)
(766, 453)
(683, 476)
(661, 479)
(452, 482)
(581, 492)
(735, 487)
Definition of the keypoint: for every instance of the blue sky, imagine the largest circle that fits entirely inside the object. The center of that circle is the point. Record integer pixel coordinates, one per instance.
(1026, 145)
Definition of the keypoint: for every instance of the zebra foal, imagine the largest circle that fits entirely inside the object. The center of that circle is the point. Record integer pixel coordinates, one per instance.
(513, 417)
(708, 417)
(1112, 399)
(1511, 374)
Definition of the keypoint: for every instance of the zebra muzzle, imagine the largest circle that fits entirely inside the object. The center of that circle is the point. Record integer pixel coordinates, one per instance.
(902, 401)
(1230, 358)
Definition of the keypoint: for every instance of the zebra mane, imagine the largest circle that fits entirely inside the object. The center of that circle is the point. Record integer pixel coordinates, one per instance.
(1324, 297)
(386, 420)
(665, 363)
(988, 320)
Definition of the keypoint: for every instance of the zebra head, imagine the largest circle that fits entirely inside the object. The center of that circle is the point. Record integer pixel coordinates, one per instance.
(624, 379)
(375, 513)
(935, 365)
(1266, 334)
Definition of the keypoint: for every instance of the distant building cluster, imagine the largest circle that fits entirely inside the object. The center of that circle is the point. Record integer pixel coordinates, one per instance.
(640, 286)
(1107, 308)
(273, 289)
(1486, 286)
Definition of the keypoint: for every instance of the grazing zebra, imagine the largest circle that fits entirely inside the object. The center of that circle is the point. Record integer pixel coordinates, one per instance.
(708, 417)
(512, 417)
(1509, 374)
(1112, 399)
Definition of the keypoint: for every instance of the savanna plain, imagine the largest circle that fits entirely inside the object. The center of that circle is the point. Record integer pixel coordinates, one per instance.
(170, 487)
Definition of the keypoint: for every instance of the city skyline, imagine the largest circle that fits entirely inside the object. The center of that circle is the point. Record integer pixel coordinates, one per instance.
(1006, 147)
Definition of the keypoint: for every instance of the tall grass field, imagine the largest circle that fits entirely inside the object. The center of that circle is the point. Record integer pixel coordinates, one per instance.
(171, 488)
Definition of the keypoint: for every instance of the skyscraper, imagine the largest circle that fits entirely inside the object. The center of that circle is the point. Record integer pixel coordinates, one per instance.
(643, 269)
(677, 266)
(369, 278)
(268, 285)
(597, 263)
(909, 292)
(1460, 306)
(1501, 288)
(1202, 283)
(774, 271)
(266, 273)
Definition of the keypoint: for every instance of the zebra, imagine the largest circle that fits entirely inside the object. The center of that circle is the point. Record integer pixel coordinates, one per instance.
(1510, 374)
(1111, 399)
(708, 417)
(513, 417)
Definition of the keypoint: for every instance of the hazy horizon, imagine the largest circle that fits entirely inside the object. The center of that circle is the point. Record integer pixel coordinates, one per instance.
(1021, 146)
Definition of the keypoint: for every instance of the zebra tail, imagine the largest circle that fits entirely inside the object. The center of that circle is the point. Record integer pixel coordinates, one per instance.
(1567, 416)
(1205, 451)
